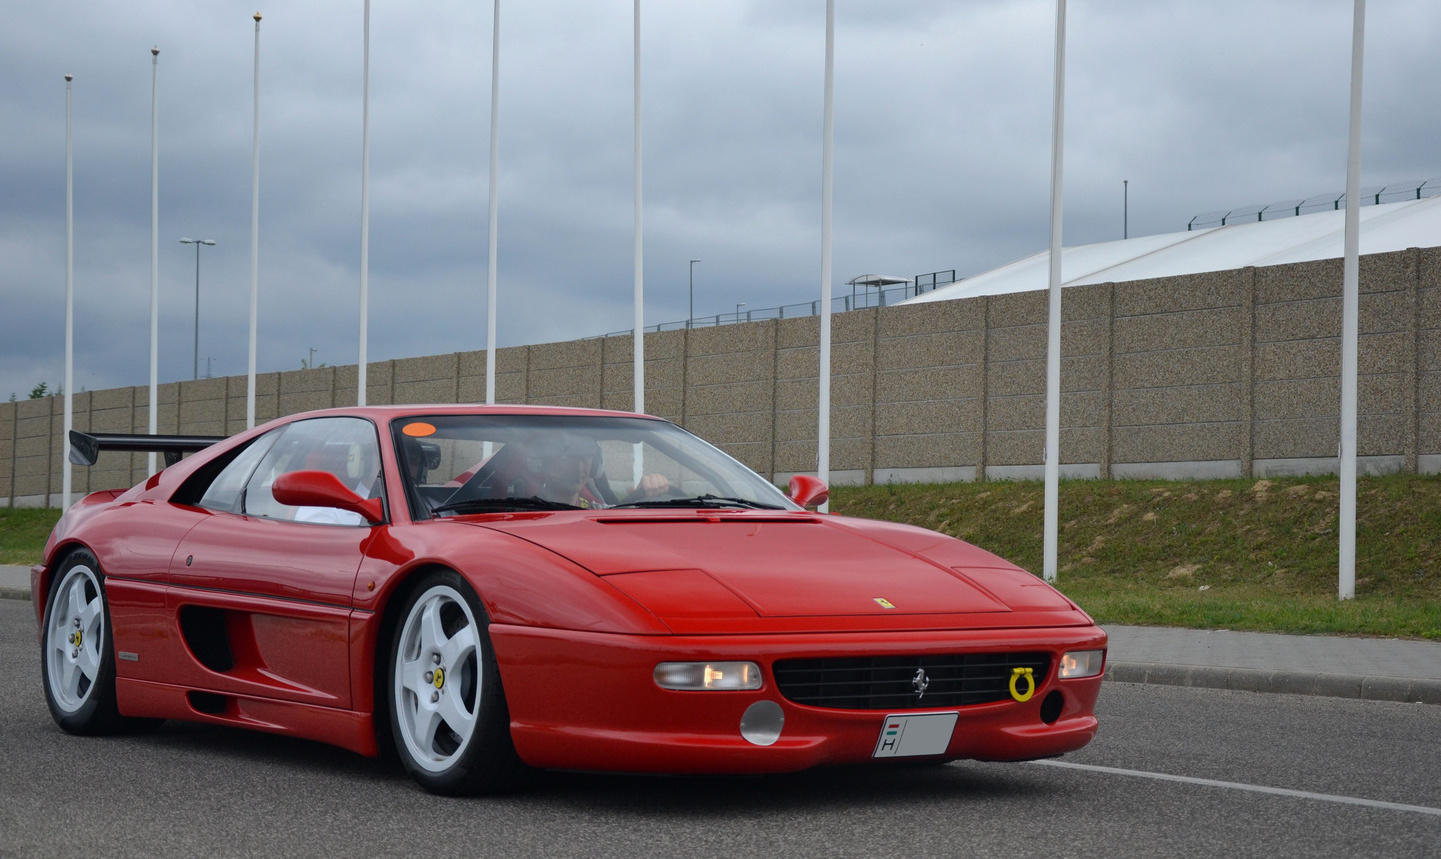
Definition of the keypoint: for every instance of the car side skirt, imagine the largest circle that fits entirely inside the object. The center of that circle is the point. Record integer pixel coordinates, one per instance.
(345, 728)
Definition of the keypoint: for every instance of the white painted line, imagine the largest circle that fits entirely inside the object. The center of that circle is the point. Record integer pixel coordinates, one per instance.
(1254, 788)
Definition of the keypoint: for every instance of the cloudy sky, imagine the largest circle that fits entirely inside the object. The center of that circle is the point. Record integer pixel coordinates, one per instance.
(942, 155)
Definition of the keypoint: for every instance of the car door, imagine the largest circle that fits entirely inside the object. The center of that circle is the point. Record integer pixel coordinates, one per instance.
(261, 591)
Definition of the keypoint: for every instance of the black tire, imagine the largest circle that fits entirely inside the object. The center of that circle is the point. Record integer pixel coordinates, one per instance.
(77, 652)
(439, 669)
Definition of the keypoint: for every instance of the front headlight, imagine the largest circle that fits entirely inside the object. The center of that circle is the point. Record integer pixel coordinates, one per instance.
(1081, 663)
(701, 676)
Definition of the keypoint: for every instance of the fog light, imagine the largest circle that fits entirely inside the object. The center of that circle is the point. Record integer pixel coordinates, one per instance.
(761, 724)
(1081, 663)
(698, 676)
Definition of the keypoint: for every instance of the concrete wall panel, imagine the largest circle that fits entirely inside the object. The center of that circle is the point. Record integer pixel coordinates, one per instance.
(1182, 367)
(1180, 294)
(928, 383)
(1019, 343)
(720, 369)
(1177, 442)
(726, 399)
(1186, 329)
(951, 416)
(928, 450)
(1216, 403)
(1302, 437)
(1298, 320)
(1298, 282)
(939, 317)
(930, 350)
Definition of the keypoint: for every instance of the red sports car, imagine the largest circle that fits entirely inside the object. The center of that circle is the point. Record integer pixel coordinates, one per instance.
(494, 587)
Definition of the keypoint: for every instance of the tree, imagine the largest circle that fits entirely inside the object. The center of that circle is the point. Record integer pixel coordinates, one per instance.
(39, 391)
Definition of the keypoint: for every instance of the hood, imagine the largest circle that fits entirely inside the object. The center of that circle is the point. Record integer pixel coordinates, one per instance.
(780, 565)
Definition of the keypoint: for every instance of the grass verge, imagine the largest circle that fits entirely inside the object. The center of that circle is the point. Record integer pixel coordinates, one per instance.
(1234, 554)
(23, 532)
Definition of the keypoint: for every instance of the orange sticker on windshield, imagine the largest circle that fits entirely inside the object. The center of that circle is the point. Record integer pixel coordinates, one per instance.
(419, 429)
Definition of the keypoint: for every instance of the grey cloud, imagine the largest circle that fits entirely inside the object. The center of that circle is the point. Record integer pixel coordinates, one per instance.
(942, 157)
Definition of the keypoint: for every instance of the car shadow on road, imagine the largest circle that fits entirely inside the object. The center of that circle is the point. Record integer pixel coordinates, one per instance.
(869, 787)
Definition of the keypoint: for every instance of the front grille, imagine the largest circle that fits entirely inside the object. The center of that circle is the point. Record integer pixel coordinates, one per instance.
(889, 682)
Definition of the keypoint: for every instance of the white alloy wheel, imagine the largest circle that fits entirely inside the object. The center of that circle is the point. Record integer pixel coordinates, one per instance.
(74, 638)
(437, 679)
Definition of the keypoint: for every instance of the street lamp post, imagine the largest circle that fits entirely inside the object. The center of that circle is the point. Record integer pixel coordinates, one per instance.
(738, 310)
(690, 317)
(197, 243)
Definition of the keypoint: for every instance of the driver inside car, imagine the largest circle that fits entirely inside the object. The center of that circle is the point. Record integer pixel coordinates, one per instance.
(568, 466)
(565, 464)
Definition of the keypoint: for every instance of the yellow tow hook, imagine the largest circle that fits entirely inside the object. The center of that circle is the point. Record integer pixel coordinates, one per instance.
(1026, 674)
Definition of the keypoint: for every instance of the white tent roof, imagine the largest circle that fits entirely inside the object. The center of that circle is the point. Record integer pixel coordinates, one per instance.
(1384, 228)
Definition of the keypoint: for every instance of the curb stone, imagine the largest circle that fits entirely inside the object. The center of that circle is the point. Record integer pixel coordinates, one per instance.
(15, 594)
(1367, 688)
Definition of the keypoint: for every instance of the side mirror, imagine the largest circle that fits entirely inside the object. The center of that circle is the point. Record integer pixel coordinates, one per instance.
(808, 491)
(323, 489)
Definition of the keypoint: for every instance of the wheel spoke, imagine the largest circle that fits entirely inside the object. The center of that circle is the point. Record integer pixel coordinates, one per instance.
(431, 634)
(427, 722)
(90, 616)
(453, 712)
(460, 645)
(70, 678)
(89, 661)
(412, 676)
(75, 598)
(60, 635)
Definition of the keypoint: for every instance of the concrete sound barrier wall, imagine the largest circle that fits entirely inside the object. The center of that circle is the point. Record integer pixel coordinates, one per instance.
(1232, 373)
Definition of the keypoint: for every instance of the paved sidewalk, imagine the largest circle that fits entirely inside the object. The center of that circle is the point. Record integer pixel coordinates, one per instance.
(1371, 668)
(14, 582)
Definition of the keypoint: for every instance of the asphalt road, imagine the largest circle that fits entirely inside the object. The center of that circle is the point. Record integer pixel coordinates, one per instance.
(189, 789)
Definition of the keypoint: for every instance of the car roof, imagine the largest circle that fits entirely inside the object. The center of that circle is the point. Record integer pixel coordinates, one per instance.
(384, 413)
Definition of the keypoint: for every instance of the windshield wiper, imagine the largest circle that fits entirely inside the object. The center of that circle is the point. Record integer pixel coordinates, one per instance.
(707, 501)
(489, 505)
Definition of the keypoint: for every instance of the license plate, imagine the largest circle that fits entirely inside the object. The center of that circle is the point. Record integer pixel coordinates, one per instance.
(912, 735)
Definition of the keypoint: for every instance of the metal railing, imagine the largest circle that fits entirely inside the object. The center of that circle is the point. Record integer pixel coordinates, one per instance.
(1372, 196)
(840, 304)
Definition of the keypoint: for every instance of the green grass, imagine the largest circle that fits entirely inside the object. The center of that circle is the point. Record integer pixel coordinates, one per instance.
(1235, 554)
(22, 534)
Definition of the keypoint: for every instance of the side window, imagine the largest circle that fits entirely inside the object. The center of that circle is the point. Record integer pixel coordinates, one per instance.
(224, 491)
(345, 447)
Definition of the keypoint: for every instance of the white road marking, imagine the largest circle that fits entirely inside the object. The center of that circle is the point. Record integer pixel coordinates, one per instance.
(1254, 788)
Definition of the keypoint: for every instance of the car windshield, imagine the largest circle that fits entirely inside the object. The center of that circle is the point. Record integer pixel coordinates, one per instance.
(460, 464)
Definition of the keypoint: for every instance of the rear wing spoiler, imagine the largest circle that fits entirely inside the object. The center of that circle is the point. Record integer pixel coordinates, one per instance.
(85, 447)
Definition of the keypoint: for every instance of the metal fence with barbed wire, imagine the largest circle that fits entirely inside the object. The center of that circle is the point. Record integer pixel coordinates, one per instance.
(1372, 196)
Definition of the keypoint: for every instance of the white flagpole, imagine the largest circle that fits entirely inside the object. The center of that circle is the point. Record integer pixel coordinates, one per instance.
(823, 430)
(154, 250)
(364, 211)
(1053, 340)
(67, 476)
(254, 237)
(638, 381)
(490, 279)
(1350, 312)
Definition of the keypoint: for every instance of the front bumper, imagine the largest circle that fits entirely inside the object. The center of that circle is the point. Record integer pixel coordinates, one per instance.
(582, 700)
